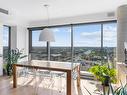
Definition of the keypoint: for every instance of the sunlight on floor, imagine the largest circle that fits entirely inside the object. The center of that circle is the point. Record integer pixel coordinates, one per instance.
(47, 86)
(55, 85)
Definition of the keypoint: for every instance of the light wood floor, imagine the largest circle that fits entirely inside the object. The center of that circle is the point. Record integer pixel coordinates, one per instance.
(42, 88)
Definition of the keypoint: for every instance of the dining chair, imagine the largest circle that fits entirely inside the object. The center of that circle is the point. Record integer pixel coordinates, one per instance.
(58, 78)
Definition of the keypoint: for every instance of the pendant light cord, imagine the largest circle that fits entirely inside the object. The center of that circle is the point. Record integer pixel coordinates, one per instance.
(46, 6)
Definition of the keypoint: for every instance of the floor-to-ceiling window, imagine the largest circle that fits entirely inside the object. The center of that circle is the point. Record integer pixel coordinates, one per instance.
(6, 40)
(109, 42)
(95, 43)
(61, 47)
(89, 44)
(38, 50)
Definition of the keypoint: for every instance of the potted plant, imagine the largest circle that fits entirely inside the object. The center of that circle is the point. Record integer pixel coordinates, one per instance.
(104, 74)
(12, 57)
(122, 90)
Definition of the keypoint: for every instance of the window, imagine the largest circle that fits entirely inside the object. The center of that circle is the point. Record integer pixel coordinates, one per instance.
(61, 48)
(39, 50)
(109, 42)
(6, 39)
(87, 44)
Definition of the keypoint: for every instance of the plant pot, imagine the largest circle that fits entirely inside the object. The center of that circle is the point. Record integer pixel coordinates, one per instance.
(9, 69)
(4, 72)
(106, 81)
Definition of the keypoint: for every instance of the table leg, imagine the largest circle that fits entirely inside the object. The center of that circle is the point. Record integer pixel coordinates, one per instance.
(69, 83)
(78, 78)
(14, 76)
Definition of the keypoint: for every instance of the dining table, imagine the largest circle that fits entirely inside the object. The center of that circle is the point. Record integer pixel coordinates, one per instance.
(67, 67)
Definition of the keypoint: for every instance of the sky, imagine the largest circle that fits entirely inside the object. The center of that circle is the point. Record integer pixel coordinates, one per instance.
(5, 35)
(84, 36)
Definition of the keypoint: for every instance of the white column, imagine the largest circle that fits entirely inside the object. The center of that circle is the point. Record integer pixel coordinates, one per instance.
(13, 37)
(1, 49)
(22, 41)
(121, 32)
(19, 38)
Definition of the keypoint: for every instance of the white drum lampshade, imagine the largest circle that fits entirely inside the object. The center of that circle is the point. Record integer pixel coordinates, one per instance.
(47, 35)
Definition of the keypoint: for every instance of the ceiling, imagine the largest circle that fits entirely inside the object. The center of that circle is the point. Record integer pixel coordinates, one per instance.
(32, 10)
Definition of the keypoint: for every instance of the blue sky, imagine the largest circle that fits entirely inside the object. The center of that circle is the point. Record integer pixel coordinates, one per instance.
(84, 36)
(5, 35)
(87, 35)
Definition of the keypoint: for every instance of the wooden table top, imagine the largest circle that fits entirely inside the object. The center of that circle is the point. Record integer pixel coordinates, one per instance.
(50, 65)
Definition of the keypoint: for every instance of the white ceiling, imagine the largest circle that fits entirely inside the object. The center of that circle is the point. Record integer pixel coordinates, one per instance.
(32, 10)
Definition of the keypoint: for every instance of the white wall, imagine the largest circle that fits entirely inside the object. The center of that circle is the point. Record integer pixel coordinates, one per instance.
(121, 32)
(22, 39)
(13, 37)
(104, 16)
(19, 38)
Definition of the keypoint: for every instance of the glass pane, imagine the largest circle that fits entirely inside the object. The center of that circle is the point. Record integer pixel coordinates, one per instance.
(5, 40)
(109, 42)
(39, 50)
(5, 36)
(61, 48)
(87, 43)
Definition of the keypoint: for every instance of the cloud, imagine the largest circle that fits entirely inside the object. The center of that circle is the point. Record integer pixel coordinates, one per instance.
(107, 27)
(5, 36)
(39, 44)
(5, 39)
(68, 30)
(91, 35)
(109, 37)
(56, 30)
(5, 43)
(87, 43)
